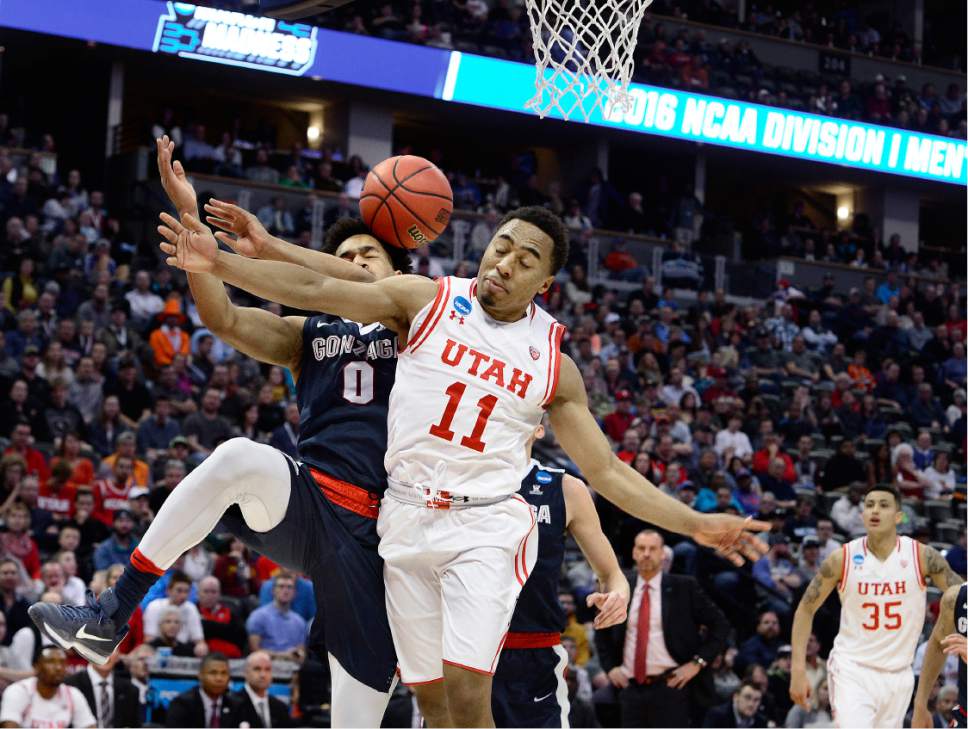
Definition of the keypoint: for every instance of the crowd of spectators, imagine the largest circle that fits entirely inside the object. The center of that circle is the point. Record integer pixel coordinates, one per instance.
(784, 409)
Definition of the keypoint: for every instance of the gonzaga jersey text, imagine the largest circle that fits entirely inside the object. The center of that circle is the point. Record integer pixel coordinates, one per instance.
(344, 386)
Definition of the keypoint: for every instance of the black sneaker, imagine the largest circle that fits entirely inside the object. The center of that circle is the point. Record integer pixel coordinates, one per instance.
(89, 629)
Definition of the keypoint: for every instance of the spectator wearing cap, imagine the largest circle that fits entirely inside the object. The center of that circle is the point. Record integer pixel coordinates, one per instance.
(747, 491)
(140, 509)
(38, 389)
(733, 442)
(118, 335)
(156, 432)
(846, 511)
(125, 447)
(134, 398)
(170, 338)
(809, 563)
(60, 416)
(842, 468)
(658, 661)
(117, 548)
(620, 420)
(778, 574)
(761, 648)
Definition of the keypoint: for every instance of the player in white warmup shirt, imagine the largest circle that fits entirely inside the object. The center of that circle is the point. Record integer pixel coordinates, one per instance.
(478, 366)
(881, 580)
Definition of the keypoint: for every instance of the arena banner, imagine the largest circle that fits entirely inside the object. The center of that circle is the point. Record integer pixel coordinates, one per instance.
(203, 34)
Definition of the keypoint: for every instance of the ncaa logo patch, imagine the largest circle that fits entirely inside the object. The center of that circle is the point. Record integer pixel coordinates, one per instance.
(542, 477)
(535, 354)
(858, 559)
(462, 305)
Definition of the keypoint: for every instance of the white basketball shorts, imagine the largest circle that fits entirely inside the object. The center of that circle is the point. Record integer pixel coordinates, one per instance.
(861, 696)
(453, 577)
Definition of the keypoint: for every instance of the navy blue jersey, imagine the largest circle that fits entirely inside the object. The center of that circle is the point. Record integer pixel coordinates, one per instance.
(343, 393)
(538, 610)
(961, 625)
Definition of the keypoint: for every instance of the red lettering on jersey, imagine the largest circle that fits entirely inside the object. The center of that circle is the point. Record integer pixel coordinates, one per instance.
(862, 588)
(886, 589)
(519, 383)
(900, 588)
(453, 361)
(496, 370)
(478, 358)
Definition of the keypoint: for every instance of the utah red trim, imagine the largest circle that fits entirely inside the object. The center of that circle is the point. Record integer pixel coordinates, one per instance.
(433, 316)
(532, 640)
(555, 333)
(500, 647)
(143, 564)
(349, 496)
(521, 552)
(469, 668)
(917, 563)
(844, 568)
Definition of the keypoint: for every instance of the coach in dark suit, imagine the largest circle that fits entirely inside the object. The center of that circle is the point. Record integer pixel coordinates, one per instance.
(209, 704)
(258, 708)
(658, 660)
(113, 699)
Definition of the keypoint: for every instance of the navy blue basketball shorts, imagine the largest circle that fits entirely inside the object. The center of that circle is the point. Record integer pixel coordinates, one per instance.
(329, 533)
(529, 688)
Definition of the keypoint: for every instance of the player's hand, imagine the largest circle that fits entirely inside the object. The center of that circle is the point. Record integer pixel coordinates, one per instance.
(173, 179)
(612, 607)
(250, 236)
(800, 690)
(682, 675)
(922, 717)
(956, 645)
(190, 247)
(618, 678)
(732, 537)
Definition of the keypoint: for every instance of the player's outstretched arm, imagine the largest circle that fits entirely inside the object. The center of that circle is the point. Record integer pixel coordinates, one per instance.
(937, 568)
(587, 446)
(612, 599)
(820, 587)
(394, 301)
(934, 657)
(242, 232)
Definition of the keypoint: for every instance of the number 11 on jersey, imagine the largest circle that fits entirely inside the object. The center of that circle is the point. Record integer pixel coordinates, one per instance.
(485, 405)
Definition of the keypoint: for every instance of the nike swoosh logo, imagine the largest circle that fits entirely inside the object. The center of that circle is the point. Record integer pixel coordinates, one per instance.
(542, 698)
(321, 324)
(82, 633)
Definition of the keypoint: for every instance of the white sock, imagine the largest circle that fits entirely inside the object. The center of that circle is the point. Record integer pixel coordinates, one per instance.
(354, 704)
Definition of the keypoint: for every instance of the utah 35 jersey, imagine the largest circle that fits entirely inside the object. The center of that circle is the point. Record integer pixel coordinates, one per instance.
(538, 609)
(882, 606)
(470, 391)
(343, 390)
(961, 626)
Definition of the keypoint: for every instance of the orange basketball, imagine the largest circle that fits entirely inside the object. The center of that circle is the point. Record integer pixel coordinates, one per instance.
(406, 201)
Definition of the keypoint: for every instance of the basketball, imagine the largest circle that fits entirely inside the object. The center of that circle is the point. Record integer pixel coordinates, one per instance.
(406, 201)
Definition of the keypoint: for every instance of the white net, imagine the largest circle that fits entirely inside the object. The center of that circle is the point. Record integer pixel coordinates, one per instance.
(584, 54)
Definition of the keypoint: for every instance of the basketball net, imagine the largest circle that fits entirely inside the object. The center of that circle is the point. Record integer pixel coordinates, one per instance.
(584, 54)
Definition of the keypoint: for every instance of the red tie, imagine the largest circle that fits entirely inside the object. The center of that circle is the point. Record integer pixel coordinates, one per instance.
(642, 637)
(216, 717)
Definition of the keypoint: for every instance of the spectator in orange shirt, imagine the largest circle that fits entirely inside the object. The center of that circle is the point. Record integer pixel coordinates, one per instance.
(125, 448)
(859, 373)
(770, 451)
(170, 338)
(82, 469)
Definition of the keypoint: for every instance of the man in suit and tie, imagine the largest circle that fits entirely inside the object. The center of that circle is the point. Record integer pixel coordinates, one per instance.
(658, 660)
(258, 708)
(209, 704)
(112, 698)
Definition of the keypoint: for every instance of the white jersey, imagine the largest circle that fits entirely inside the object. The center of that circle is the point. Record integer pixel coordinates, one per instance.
(469, 392)
(882, 606)
(23, 706)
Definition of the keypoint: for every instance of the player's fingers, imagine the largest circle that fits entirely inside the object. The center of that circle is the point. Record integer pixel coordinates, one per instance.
(179, 170)
(226, 239)
(171, 261)
(168, 234)
(755, 525)
(731, 555)
(595, 599)
(218, 222)
(171, 221)
(192, 223)
(168, 249)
